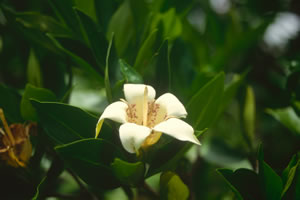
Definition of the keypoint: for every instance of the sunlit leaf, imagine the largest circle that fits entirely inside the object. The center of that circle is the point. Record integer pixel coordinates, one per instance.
(172, 187)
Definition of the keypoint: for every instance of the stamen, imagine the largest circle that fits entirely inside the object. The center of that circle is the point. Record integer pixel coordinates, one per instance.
(6, 128)
(145, 106)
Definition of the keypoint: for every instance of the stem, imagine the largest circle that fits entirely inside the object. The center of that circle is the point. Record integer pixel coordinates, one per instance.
(81, 185)
(128, 192)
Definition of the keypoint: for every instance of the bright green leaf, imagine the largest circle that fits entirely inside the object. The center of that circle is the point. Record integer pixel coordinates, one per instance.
(28, 112)
(129, 73)
(172, 187)
(128, 173)
(249, 114)
(289, 173)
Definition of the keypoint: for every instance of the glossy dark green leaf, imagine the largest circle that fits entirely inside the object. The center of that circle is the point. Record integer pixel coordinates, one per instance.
(288, 117)
(10, 103)
(129, 73)
(28, 112)
(90, 159)
(94, 37)
(121, 24)
(172, 187)
(128, 173)
(244, 183)
(78, 60)
(205, 104)
(270, 182)
(64, 123)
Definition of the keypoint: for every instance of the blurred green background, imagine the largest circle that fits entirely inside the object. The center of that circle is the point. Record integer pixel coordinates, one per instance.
(175, 46)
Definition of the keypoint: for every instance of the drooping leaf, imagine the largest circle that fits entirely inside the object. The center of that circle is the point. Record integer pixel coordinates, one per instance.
(28, 112)
(172, 187)
(64, 123)
(128, 173)
(129, 73)
(90, 159)
(288, 117)
(205, 104)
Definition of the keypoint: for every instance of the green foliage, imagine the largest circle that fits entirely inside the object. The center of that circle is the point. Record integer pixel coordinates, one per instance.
(59, 57)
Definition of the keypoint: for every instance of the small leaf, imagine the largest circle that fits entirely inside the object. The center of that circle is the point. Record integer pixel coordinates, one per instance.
(172, 187)
(90, 159)
(28, 112)
(288, 117)
(249, 115)
(129, 73)
(64, 123)
(128, 173)
(205, 104)
(34, 75)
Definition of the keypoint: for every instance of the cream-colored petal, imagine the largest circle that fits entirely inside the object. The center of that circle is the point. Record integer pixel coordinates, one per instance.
(132, 136)
(135, 92)
(172, 105)
(116, 112)
(177, 129)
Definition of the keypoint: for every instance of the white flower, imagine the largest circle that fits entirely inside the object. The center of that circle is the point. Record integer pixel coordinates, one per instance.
(144, 119)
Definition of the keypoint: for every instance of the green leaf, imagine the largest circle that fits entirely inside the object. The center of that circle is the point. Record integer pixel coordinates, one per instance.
(146, 52)
(172, 187)
(10, 103)
(165, 154)
(64, 123)
(205, 104)
(129, 73)
(93, 36)
(128, 173)
(34, 75)
(43, 23)
(288, 117)
(172, 24)
(28, 112)
(88, 7)
(105, 10)
(90, 159)
(269, 180)
(249, 115)
(64, 11)
(121, 24)
(78, 60)
(289, 173)
(243, 182)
